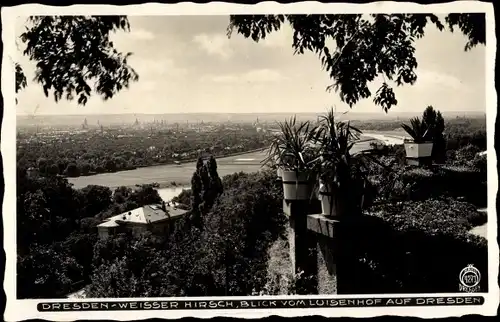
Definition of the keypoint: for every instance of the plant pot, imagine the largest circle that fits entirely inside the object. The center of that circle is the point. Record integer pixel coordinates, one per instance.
(331, 204)
(298, 185)
(279, 173)
(418, 150)
(325, 195)
(334, 203)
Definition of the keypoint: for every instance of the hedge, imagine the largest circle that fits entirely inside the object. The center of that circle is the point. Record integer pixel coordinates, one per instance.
(416, 184)
(412, 247)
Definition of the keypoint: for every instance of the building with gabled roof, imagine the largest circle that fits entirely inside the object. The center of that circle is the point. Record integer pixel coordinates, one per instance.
(155, 218)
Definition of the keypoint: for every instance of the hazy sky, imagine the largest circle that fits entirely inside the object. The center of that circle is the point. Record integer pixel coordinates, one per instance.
(188, 64)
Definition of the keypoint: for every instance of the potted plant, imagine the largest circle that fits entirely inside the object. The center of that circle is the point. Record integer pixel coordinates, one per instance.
(296, 157)
(343, 180)
(420, 145)
(279, 168)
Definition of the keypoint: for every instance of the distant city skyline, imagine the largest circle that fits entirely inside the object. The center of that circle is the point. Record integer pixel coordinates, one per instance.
(187, 64)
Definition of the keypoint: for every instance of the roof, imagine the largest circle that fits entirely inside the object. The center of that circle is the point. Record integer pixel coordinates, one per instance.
(144, 215)
(110, 223)
(175, 212)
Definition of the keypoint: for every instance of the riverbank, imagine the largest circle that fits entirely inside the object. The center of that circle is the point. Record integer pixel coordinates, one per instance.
(175, 175)
(388, 137)
(171, 163)
(172, 175)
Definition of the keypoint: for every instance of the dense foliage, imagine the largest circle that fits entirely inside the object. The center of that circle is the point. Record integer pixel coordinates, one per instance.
(232, 241)
(206, 187)
(418, 231)
(413, 183)
(465, 173)
(227, 253)
(56, 231)
(184, 198)
(435, 121)
(464, 131)
(84, 153)
(75, 52)
(458, 132)
(415, 234)
(227, 257)
(413, 247)
(230, 250)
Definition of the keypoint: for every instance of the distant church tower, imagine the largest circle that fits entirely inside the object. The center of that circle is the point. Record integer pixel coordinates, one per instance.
(136, 122)
(85, 124)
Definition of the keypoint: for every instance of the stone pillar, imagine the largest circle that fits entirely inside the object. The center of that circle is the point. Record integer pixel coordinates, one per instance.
(325, 232)
(303, 251)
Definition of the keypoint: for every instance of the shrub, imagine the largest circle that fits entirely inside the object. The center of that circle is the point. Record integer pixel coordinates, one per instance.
(456, 139)
(480, 163)
(241, 227)
(466, 182)
(412, 247)
(428, 215)
(477, 218)
(89, 225)
(395, 151)
(465, 155)
(72, 170)
(48, 271)
(416, 183)
(280, 280)
(146, 194)
(228, 256)
(184, 198)
(421, 184)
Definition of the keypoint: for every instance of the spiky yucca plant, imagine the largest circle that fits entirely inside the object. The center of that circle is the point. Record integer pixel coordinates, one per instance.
(292, 148)
(345, 172)
(418, 130)
(335, 140)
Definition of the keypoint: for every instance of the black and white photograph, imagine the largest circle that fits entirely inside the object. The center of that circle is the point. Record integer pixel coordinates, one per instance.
(259, 158)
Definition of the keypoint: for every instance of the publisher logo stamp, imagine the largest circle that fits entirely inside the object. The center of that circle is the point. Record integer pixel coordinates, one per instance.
(469, 279)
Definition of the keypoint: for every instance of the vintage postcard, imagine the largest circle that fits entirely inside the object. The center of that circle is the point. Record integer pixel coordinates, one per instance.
(203, 160)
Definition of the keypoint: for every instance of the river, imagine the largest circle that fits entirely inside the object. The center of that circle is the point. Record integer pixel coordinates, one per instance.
(168, 193)
(173, 178)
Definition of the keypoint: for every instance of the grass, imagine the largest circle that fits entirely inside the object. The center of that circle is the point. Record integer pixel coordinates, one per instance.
(279, 270)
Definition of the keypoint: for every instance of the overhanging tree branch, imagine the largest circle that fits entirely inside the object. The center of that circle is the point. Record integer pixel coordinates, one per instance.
(384, 45)
(73, 51)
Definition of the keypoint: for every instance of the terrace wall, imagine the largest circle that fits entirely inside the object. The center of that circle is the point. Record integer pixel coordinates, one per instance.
(369, 255)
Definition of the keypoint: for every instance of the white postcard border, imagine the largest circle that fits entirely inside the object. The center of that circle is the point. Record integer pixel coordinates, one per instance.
(26, 309)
